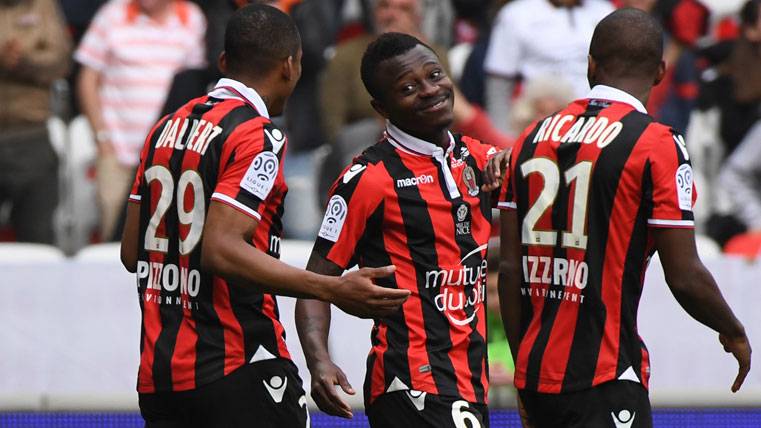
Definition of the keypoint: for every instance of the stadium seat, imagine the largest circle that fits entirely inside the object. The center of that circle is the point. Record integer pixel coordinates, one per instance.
(108, 252)
(17, 252)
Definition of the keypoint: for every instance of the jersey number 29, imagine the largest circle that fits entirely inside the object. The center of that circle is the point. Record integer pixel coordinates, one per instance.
(194, 218)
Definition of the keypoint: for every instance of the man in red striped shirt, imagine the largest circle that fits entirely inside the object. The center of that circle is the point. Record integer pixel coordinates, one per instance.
(203, 234)
(593, 191)
(413, 200)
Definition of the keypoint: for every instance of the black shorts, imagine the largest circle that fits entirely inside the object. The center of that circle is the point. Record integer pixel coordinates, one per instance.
(415, 409)
(263, 394)
(615, 404)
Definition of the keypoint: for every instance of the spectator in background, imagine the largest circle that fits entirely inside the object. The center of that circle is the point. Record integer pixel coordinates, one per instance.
(685, 22)
(539, 37)
(742, 174)
(540, 98)
(35, 52)
(129, 56)
(745, 72)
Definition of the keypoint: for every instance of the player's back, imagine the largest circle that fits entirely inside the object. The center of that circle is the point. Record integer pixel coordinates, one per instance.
(197, 327)
(587, 184)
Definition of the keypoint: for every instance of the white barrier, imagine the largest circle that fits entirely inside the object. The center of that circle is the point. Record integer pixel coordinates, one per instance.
(69, 334)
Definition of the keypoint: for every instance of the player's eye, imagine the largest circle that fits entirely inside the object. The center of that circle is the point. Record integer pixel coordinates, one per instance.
(437, 74)
(408, 89)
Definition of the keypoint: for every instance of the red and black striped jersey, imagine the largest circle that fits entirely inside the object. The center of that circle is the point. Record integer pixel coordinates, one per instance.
(410, 203)
(588, 184)
(198, 327)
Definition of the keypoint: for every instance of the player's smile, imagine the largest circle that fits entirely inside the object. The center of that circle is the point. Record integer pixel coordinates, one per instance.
(418, 94)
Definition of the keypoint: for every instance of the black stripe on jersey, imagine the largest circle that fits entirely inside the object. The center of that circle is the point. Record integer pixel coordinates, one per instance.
(420, 233)
(371, 247)
(566, 158)
(477, 346)
(630, 353)
(585, 349)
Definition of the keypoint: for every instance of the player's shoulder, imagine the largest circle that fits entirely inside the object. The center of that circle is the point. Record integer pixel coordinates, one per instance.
(366, 168)
(475, 147)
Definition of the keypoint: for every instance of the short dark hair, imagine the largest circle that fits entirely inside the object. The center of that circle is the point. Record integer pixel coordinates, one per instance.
(628, 42)
(386, 46)
(749, 13)
(257, 37)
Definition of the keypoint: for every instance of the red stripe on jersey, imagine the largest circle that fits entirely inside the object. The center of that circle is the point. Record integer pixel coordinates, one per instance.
(644, 375)
(445, 245)
(399, 253)
(233, 333)
(268, 309)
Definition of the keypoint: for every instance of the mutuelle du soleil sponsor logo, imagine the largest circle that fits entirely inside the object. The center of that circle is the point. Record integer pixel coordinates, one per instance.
(461, 290)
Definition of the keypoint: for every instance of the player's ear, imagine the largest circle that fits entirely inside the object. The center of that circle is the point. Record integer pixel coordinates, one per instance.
(291, 70)
(591, 71)
(222, 63)
(378, 106)
(660, 73)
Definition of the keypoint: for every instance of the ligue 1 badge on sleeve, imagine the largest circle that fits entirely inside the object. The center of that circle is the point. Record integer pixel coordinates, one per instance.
(469, 177)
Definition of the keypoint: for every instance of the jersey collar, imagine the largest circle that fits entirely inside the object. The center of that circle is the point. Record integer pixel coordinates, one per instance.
(414, 145)
(603, 92)
(233, 89)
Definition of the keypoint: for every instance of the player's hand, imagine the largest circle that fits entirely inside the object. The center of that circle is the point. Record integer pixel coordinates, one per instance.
(495, 170)
(739, 347)
(357, 295)
(325, 377)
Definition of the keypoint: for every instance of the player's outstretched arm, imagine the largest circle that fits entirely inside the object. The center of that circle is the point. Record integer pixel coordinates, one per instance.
(227, 252)
(696, 291)
(313, 326)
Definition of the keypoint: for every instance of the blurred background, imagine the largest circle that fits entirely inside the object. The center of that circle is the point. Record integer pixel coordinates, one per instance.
(82, 81)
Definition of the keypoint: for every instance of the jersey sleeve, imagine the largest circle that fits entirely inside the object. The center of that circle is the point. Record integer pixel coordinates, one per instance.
(250, 167)
(673, 189)
(354, 197)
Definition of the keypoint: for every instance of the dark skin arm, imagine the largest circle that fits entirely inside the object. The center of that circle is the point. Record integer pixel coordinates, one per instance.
(313, 326)
(227, 252)
(510, 273)
(696, 291)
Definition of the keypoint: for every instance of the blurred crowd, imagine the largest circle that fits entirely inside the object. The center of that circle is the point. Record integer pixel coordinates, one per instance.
(82, 81)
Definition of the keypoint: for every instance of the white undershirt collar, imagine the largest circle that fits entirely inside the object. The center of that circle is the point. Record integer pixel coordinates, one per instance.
(603, 92)
(233, 89)
(415, 146)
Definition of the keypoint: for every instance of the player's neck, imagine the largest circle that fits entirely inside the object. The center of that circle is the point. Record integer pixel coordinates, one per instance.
(635, 88)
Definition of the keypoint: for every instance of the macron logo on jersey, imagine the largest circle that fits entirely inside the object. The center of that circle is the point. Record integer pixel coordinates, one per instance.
(414, 181)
